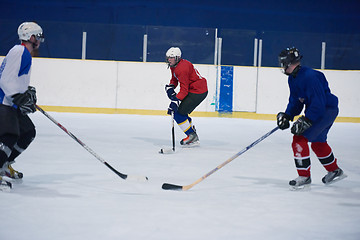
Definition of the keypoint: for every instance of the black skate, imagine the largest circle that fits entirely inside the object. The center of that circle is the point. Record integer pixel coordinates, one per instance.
(191, 140)
(334, 176)
(300, 183)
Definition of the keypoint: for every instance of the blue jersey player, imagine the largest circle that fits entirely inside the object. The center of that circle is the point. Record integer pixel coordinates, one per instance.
(17, 100)
(309, 88)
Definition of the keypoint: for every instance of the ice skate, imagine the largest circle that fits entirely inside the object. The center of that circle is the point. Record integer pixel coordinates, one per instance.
(191, 140)
(12, 173)
(300, 183)
(334, 176)
(5, 186)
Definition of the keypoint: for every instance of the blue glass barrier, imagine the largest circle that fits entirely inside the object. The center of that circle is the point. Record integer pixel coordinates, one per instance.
(342, 51)
(308, 44)
(196, 44)
(114, 42)
(125, 43)
(237, 47)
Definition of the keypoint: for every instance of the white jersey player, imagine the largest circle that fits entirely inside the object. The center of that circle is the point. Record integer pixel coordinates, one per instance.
(17, 99)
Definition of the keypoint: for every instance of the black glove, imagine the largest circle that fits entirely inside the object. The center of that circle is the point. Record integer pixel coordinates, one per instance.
(26, 101)
(301, 125)
(173, 107)
(283, 120)
(171, 92)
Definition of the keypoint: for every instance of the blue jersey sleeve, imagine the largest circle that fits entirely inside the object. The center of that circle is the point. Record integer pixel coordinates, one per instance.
(25, 63)
(295, 106)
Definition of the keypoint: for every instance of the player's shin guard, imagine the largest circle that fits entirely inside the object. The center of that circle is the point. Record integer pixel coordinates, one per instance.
(301, 155)
(184, 123)
(7, 141)
(325, 155)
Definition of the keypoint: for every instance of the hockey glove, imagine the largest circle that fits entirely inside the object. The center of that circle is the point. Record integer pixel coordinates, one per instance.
(171, 92)
(301, 125)
(26, 101)
(283, 120)
(173, 107)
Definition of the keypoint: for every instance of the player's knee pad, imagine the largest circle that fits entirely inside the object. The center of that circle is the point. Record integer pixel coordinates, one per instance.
(5, 152)
(179, 118)
(300, 146)
(7, 142)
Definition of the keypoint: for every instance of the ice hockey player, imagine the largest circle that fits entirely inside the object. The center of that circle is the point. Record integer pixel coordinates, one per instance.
(17, 100)
(193, 90)
(309, 88)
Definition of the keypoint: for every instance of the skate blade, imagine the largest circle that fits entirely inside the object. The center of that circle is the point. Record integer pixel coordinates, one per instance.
(336, 179)
(16, 180)
(191, 145)
(306, 187)
(13, 180)
(5, 187)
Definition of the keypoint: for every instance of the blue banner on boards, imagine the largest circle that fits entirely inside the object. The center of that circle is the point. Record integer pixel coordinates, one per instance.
(226, 89)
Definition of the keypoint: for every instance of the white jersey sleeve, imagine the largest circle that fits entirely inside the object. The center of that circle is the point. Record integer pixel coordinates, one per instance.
(14, 73)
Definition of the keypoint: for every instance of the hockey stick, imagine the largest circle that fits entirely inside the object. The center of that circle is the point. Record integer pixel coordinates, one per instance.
(123, 176)
(168, 150)
(173, 131)
(168, 186)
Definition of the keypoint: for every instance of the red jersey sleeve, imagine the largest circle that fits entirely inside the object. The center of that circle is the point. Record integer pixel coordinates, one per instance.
(173, 79)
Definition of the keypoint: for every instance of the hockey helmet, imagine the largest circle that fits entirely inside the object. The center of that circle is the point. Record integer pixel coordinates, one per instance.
(27, 29)
(173, 52)
(289, 56)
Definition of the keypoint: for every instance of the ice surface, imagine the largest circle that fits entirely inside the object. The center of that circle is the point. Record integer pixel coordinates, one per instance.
(68, 194)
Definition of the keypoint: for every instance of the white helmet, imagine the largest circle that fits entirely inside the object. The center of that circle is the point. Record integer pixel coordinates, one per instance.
(27, 29)
(174, 52)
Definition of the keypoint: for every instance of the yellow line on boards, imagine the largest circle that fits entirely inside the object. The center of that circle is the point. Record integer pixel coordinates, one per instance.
(245, 115)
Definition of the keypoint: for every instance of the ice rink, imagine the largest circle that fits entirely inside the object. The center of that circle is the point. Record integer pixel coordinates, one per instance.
(67, 194)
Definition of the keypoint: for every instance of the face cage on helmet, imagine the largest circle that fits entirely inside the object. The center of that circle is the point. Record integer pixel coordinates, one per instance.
(39, 36)
(177, 60)
(284, 63)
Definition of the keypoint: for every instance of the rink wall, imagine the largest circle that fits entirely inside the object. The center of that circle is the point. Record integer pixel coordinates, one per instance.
(136, 87)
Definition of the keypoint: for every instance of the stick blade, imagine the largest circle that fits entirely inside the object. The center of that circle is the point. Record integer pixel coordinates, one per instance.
(135, 178)
(168, 186)
(167, 151)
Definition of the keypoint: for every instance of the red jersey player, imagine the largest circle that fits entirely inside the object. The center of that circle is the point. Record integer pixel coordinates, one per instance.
(193, 90)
